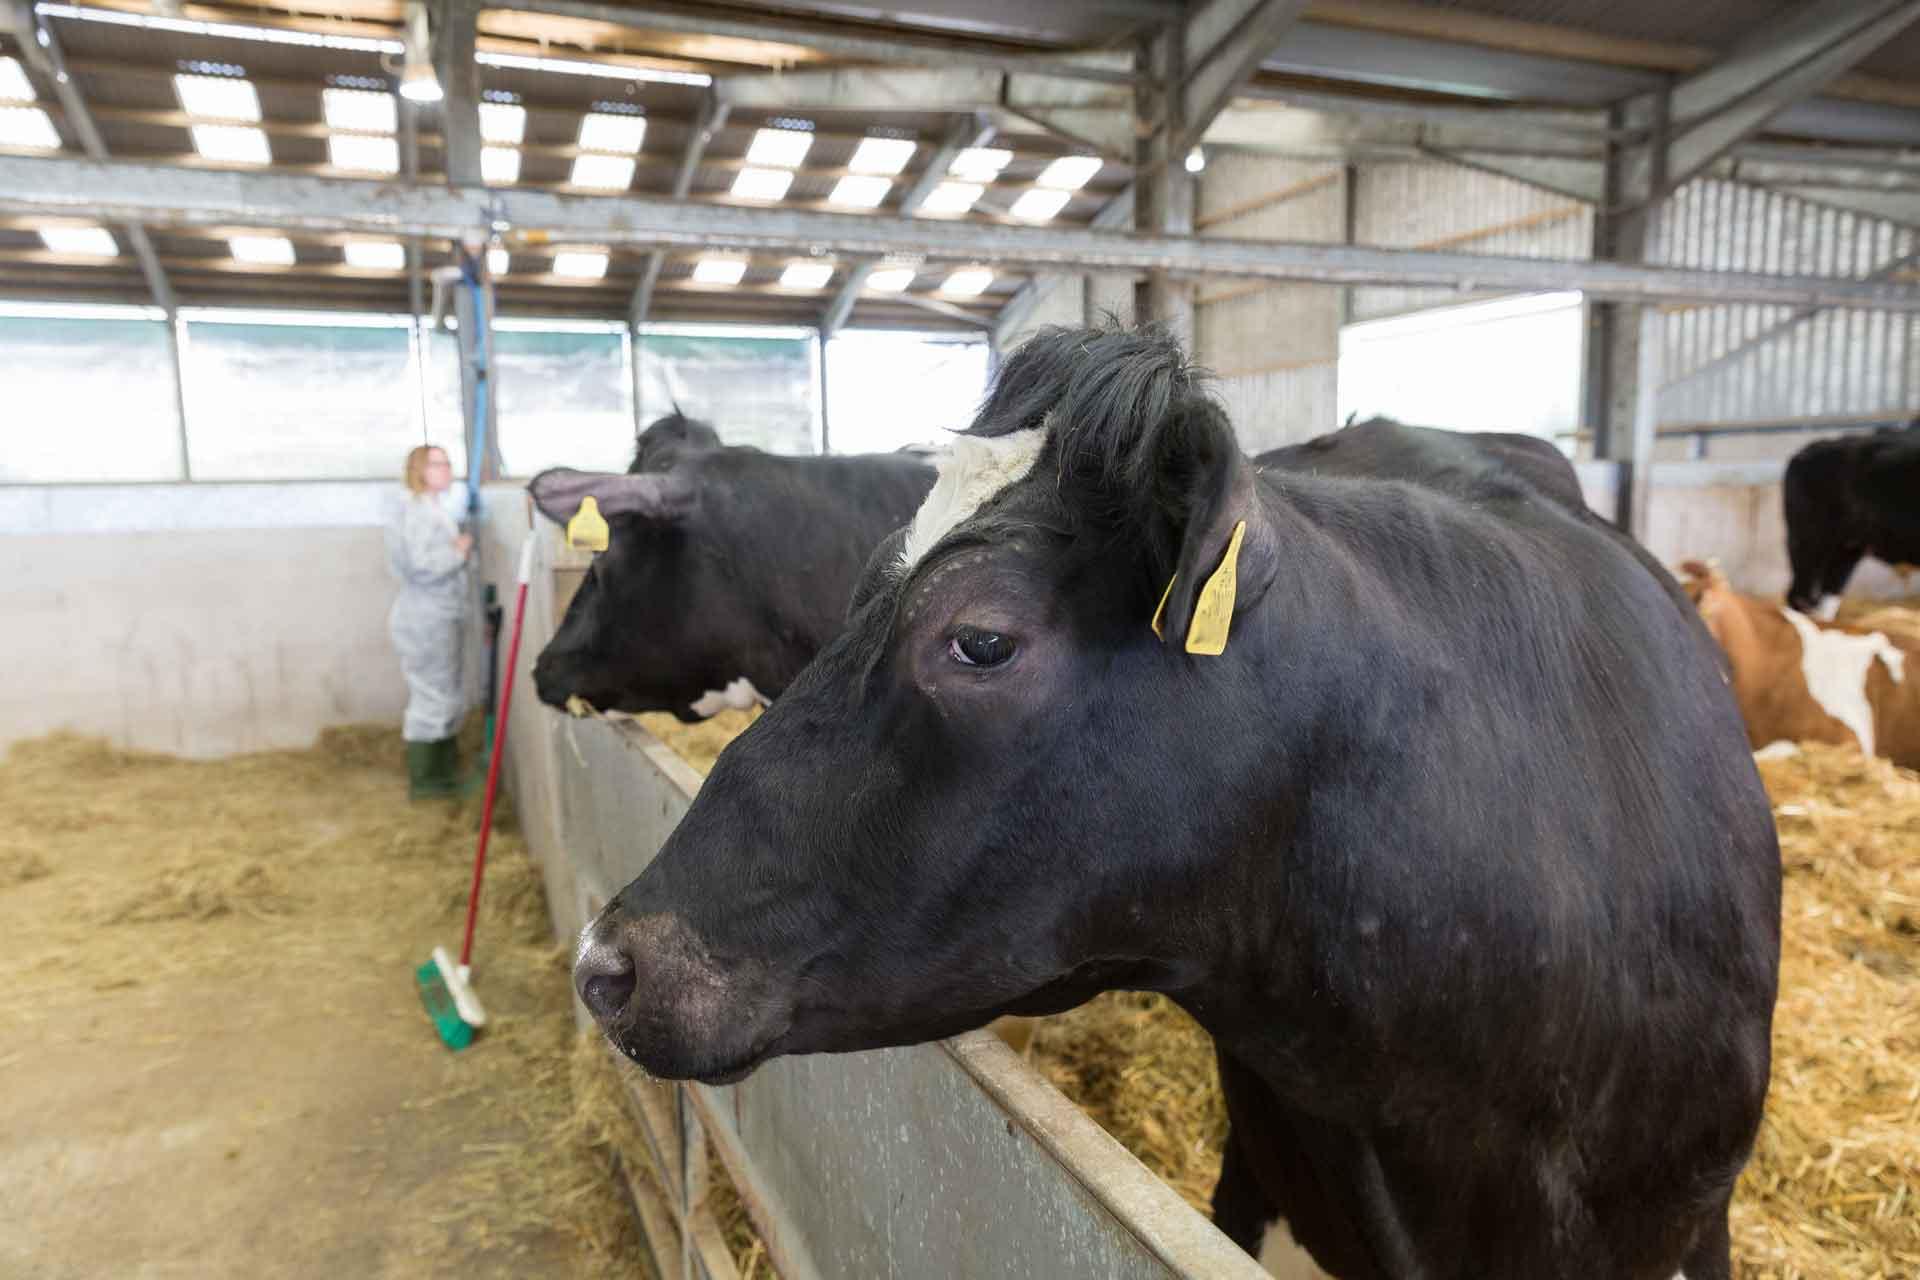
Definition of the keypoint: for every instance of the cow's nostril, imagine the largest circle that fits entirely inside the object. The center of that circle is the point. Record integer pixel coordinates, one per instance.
(606, 994)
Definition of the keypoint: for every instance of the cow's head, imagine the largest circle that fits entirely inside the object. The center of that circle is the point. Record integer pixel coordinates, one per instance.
(981, 797)
(669, 439)
(1822, 546)
(650, 605)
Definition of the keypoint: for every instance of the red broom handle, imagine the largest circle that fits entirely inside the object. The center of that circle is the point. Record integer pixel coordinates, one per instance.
(499, 743)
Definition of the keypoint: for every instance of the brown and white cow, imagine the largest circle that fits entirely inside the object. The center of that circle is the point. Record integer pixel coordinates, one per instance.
(1806, 681)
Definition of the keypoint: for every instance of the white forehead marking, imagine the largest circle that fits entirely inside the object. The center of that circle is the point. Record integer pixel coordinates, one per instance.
(1835, 665)
(737, 696)
(973, 472)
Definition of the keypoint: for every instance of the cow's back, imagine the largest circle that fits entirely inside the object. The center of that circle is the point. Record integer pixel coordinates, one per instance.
(1453, 461)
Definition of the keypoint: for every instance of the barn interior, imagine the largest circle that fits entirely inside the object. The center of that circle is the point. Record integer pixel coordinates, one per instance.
(252, 254)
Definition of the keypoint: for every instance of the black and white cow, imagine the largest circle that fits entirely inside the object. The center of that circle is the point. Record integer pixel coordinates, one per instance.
(1847, 499)
(1456, 847)
(726, 570)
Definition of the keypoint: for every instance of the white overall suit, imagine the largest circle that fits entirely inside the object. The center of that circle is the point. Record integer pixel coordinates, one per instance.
(426, 620)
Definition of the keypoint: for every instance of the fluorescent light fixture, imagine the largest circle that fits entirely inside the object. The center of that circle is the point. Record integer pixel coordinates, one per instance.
(235, 143)
(14, 86)
(88, 242)
(419, 83)
(762, 184)
(719, 270)
(1039, 204)
(503, 122)
(886, 156)
(1196, 160)
(980, 164)
(221, 30)
(603, 132)
(27, 127)
(363, 153)
(360, 110)
(376, 255)
(580, 264)
(968, 282)
(1069, 173)
(499, 166)
(784, 148)
(221, 97)
(952, 197)
(860, 192)
(264, 251)
(599, 70)
(608, 173)
(498, 262)
(806, 275)
(891, 279)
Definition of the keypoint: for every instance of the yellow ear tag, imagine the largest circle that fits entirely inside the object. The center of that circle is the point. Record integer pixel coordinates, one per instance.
(587, 531)
(1213, 613)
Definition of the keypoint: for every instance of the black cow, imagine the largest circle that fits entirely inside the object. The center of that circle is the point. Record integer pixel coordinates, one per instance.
(1457, 848)
(726, 571)
(1385, 448)
(1846, 499)
(669, 439)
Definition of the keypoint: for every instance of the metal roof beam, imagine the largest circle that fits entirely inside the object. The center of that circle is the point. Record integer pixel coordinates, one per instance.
(1115, 213)
(455, 34)
(179, 197)
(712, 118)
(40, 47)
(969, 132)
(1715, 109)
(833, 42)
(1224, 43)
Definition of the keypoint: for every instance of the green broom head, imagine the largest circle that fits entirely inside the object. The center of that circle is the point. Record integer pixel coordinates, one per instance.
(454, 1030)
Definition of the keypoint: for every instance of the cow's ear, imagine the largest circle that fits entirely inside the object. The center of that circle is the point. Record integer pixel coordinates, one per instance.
(661, 496)
(1211, 507)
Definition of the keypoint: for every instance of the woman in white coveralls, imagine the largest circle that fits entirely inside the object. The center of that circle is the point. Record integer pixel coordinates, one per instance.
(428, 553)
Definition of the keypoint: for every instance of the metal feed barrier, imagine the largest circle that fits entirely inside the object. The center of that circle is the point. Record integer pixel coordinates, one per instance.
(949, 1159)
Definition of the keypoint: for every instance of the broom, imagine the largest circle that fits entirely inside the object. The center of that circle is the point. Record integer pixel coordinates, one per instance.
(446, 989)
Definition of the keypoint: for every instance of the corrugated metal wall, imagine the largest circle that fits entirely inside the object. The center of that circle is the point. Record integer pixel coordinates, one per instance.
(1727, 365)
(1406, 205)
(1274, 346)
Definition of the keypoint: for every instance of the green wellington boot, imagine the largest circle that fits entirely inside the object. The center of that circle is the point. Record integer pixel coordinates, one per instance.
(430, 769)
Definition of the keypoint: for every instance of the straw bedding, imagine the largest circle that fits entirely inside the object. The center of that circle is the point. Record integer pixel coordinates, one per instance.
(1833, 1189)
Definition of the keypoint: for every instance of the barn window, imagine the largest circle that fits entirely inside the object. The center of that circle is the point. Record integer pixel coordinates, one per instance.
(886, 389)
(51, 356)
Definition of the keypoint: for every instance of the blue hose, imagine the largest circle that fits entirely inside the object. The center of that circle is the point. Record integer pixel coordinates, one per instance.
(469, 274)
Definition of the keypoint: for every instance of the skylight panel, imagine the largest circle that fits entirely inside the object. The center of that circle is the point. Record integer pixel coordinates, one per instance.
(884, 156)
(968, 282)
(503, 122)
(14, 85)
(499, 166)
(498, 262)
(781, 148)
(860, 192)
(88, 242)
(376, 255)
(1069, 173)
(580, 264)
(363, 153)
(1040, 204)
(264, 251)
(608, 173)
(953, 197)
(980, 164)
(762, 184)
(221, 97)
(891, 279)
(234, 143)
(719, 270)
(359, 109)
(27, 127)
(806, 275)
(600, 131)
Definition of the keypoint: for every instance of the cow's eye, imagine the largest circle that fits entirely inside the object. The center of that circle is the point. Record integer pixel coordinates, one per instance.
(976, 648)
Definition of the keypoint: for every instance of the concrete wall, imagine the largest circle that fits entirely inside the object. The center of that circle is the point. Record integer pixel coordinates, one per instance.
(196, 619)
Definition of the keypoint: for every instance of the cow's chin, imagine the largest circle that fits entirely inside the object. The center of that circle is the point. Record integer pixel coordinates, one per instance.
(688, 1058)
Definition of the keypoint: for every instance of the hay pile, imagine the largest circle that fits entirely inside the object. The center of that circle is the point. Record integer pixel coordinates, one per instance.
(1834, 1186)
(699, 744)
(123, 869)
